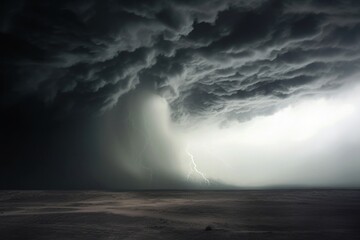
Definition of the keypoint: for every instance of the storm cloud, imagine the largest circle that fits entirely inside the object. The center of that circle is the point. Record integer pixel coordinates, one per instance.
(64, 64)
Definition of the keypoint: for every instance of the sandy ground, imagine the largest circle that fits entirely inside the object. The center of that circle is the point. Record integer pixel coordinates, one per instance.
(280, 214)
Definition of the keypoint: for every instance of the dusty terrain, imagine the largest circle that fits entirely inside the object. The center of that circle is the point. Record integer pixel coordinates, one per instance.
(279, 214)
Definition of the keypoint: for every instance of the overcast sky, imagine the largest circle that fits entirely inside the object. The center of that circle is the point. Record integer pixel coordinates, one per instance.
(180, 94)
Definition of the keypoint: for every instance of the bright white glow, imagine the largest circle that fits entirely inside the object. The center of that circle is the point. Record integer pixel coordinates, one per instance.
(294, 123)
(299, 144)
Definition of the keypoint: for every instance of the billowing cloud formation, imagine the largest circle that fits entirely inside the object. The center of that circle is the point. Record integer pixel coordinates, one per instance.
(203, 56)
(214, 59)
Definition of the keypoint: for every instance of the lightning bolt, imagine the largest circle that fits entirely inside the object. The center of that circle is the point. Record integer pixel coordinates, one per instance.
(193, 167)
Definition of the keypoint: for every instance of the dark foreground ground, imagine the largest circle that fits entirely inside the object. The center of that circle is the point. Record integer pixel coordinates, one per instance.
(280, 214)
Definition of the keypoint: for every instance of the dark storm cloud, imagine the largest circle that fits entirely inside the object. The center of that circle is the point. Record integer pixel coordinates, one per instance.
(197, 53)
(266, 54)
(226, 59)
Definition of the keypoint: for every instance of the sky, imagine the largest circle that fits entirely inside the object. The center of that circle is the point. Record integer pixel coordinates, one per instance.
(202, 94)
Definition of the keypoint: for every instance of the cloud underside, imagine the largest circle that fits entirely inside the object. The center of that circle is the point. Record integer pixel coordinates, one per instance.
(233, 59)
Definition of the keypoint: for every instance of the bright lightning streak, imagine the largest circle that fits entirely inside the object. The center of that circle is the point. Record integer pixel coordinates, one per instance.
(194, 167)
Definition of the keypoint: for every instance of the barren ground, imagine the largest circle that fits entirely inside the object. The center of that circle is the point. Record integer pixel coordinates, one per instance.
(277, 214)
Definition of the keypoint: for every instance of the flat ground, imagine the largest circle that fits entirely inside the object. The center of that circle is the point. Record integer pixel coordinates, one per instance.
(279, 214)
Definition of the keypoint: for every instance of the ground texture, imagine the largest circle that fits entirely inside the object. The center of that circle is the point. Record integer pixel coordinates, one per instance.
(279, 214)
